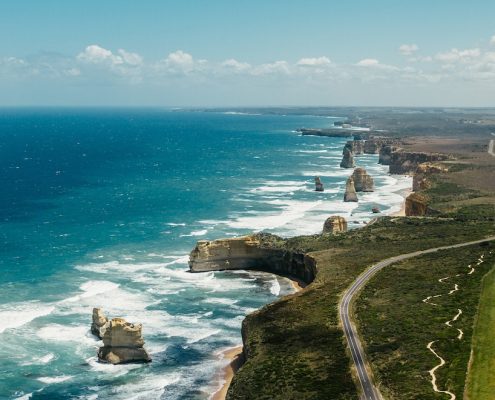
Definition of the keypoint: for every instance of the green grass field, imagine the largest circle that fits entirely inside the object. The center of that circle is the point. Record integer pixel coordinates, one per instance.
(397, 323)
(481, 378)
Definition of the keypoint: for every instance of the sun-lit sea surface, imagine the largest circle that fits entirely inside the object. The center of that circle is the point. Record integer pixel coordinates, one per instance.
(101, 208)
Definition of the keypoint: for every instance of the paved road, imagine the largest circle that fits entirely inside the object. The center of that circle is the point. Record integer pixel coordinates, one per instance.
(370, 392)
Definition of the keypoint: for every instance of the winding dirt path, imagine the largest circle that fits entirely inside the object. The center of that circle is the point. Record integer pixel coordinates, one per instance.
(432, 372)
(429, 346)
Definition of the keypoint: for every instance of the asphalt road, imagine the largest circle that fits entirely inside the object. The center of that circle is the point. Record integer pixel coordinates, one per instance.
(369, 391)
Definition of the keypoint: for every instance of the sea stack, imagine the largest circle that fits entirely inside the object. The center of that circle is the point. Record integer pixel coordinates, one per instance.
(350, 191)
(347, 159)
(362, 181)
(318, 184)
(100, 323)
(122, 341)
(334, 224)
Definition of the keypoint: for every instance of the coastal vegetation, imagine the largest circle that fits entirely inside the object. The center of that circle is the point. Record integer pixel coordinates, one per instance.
(481, 381)
(413, 303)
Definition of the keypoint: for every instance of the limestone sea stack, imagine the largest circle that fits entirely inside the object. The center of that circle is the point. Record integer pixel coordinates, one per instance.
(334, 224)
(362, 181)
(350, 191)
(99, 324)
(347, 159)
(123, 343)
(318, 184)
(356, 146)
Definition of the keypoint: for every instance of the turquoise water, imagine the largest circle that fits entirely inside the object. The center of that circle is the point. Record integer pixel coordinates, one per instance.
(101, 208)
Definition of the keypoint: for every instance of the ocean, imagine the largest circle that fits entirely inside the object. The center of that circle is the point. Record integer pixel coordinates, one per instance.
(100, 208)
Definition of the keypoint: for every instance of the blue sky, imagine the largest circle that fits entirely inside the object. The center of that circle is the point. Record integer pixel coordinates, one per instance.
(223, 53)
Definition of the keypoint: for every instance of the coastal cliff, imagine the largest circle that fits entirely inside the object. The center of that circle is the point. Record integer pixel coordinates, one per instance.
(262, 252)
(404, 162)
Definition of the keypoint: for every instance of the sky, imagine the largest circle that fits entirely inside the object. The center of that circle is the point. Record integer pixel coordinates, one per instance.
(220, 53)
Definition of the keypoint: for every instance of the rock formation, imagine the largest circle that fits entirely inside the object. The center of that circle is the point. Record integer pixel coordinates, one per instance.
(123, 343)
(99, 324)
(404, 162)
(355, 146)
(263, 252)
(373, 145)
(416, 205)
(318, 184)
(421, 179)
(385, 154)
(375, 210)
(347, 159)
(334, 224)
(362, 181)
(350, 191)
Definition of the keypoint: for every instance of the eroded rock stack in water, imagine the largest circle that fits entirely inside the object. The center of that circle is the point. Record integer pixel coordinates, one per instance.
(347, 159)
(122, 341)
(318, 184)
(362, 181)
(99, 324)
(350, 191)
(334, 224)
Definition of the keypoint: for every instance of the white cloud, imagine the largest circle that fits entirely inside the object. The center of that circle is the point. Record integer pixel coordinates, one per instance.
(408, 49)
(130, 58)
(314, 62)
(492, 40)
(368, 62)
(235, 65)
(95, 54)
(456, 55)
(277, 67)
(180, 62)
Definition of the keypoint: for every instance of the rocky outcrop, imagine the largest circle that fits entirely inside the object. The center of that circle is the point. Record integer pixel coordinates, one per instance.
(355, 146)
(416, 205)
(347, 159)
(421, 176)
(262, 252)
(404, 162)
(99, 324)
(318, 184)
(350, 191)
(334, 224)
(362, 181)
(374, 145)
(122, 343)
(385, 154)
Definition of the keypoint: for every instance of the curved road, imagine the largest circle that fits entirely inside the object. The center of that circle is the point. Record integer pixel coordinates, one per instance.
(370, 392)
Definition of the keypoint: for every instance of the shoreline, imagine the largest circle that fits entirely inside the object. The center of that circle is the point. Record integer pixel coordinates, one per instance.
(402, 211)
(235, 356)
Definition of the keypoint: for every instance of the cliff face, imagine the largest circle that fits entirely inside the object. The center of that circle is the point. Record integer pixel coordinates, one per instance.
(374, 145)
(421, 179)
(403, 162)
(334, 224)
(251, 252)
(347, 159)
(385, 154)
(355, 146)
(416, 205)
(362, 181)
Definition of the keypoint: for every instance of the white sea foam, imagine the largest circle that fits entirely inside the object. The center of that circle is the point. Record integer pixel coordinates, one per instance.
(93, 288)
(201, 232)
(54, 379)
(14, 315)
(64, 333)
(275, 287)
(110, 369)
(146, 388)
(176, 224)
